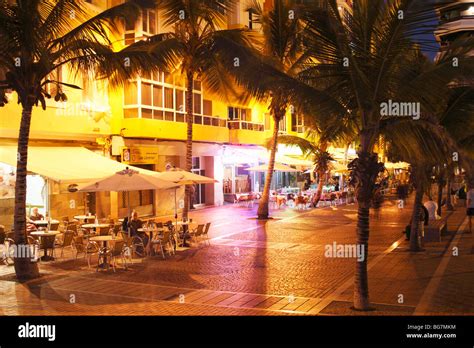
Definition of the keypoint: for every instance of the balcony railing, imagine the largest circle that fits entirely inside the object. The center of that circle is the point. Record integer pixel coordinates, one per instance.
(238, 124)
(173, 116)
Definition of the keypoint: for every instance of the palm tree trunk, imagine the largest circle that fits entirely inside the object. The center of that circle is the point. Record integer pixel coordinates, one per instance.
(262, 212)
(365, 169)
(319, 189)
(189, 138)
(321, 177)
(24, 268)
(361, 278)
(415, 220)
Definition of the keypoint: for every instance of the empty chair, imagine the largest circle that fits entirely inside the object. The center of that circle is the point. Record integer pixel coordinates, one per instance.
(164, 242)
(118, 250)
(91, 248)
(54, 226)
(205, 234)
(72, 226)
(102, 231)
(197, 233)
(66, 242)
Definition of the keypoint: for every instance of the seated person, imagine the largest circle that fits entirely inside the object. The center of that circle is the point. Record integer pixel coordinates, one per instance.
(134, 224)
(36, 215)
(432, 208)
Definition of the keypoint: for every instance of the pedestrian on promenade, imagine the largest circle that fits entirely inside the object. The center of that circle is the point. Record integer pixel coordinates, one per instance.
(432, 208)
(470, 206)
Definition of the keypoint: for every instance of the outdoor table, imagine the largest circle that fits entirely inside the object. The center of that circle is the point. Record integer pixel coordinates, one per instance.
(104, 240)
(43, 234)
(44, 222)
(95, 226)
(84, 217)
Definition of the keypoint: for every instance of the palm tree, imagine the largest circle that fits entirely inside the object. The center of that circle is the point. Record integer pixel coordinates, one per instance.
(281, 48)
(196, 45)
(364, 61)
(38, 37)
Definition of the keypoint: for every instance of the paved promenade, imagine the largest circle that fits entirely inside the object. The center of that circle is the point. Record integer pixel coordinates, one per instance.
(277, 267)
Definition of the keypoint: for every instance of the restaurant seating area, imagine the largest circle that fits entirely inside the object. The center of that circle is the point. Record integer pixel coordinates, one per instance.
(104, 244)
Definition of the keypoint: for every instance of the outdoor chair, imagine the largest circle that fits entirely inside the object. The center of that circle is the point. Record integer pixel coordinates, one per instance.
(6, 257)
(197, 233)
(134, 243)
(163, 241)
(54, 226)
(72, 226)
(102, 231)
(115, 229)
(118, 250)
(343, 197)
(91, 248)
(66, 241)
(206, 233)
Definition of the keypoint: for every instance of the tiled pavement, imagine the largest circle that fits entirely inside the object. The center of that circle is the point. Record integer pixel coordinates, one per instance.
(251, 268)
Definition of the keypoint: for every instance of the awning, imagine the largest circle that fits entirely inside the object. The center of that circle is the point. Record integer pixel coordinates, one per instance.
(291, 161)
(66, 164)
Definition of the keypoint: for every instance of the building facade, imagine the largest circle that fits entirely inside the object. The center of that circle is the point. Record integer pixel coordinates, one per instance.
(143, 124)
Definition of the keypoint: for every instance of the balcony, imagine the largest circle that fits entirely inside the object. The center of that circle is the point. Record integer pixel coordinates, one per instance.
(168, 124)
(244, 132)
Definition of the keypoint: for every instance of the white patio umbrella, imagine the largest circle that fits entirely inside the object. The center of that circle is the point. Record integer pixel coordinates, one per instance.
(181, 177)
(277, 168)
(125, 181)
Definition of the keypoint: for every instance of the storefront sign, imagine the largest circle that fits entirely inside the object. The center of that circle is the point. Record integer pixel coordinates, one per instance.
(140, 155)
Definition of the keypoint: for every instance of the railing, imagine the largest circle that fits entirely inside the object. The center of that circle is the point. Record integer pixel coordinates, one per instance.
(173, 116)
(238, 124)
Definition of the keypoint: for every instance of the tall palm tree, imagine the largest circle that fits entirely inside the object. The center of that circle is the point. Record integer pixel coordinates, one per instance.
(39, 36)
(195, 45)
(364, 60)
(280, 45)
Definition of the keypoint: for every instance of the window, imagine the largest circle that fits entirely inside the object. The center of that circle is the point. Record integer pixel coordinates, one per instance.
(158, 96)
(267, 121)
(197, 85)
(149, 22)
(297, 122)
(207, 106)
(239, 114)
(282, 125)
(129, 38)
(146, 94)
(169, 102)
(197, 103)
(131, 93)
(250, 25)
(180, 100)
